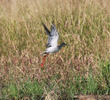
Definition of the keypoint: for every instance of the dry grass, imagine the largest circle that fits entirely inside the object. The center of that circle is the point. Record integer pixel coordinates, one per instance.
(83, 25)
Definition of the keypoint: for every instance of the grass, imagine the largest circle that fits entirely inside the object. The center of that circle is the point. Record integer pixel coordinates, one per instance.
(81, 68)
(28, 89)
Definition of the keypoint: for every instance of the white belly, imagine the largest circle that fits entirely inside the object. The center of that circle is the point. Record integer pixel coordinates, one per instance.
(52, 49)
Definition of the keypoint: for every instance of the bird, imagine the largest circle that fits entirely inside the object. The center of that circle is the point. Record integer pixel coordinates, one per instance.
(52, 43)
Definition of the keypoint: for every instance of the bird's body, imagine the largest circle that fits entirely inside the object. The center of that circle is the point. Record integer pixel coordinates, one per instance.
(52, 50)
(52, 44)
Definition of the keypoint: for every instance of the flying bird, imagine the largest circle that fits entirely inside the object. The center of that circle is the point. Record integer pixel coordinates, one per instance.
(52, 43)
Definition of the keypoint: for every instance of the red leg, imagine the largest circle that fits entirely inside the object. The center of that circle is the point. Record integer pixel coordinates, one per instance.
(43, 60)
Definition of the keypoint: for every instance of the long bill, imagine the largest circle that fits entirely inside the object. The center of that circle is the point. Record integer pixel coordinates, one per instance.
(43, 60)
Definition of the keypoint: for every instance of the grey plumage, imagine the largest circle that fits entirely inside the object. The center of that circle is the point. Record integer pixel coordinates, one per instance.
(52, 43)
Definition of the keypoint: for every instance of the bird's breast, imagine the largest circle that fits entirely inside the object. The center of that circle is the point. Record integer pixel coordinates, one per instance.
(52, 49)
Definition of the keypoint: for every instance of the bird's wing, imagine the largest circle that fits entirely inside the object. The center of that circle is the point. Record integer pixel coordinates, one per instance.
(53, 37)
(46, 29)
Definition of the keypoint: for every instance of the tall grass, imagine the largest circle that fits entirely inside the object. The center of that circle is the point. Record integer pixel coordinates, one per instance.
(82, 67)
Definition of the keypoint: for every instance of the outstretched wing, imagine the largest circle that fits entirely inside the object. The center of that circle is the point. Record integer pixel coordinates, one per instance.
(53, 37)
(46, 29)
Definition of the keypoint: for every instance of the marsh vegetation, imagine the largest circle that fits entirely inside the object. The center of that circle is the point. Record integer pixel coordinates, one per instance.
(82, 67)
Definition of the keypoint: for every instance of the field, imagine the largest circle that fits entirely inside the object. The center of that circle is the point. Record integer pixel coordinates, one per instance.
(80, 68)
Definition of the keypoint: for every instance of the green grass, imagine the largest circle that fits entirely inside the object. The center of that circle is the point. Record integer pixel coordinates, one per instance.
(29, 89)
(82, 67)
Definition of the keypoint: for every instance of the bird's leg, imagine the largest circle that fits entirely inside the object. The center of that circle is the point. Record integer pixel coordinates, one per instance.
(43, 60)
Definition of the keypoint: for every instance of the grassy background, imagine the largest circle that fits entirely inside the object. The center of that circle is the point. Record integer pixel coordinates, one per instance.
(82, 67)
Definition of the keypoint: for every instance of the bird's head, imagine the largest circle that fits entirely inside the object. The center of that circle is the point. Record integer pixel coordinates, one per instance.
(63, 44)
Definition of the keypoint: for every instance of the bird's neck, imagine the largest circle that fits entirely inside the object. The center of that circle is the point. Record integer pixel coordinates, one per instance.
(60, 46)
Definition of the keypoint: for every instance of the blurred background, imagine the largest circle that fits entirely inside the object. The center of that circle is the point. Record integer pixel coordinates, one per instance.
(82, 67)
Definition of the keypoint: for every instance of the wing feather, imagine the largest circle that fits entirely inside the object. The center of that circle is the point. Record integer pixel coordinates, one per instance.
(53, 38)
(46, 29)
